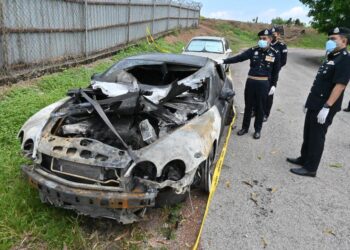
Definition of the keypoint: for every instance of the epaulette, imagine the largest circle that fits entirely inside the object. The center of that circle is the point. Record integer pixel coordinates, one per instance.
(274, 50)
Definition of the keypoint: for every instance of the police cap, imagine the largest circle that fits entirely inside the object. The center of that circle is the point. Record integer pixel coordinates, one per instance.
(340, 31)
(265, 32)
(277, 29)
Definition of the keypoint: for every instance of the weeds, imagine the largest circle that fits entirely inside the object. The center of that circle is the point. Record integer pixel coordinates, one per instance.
(24, 220)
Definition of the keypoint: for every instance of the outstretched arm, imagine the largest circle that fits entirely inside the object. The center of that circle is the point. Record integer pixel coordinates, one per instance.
(239, 58)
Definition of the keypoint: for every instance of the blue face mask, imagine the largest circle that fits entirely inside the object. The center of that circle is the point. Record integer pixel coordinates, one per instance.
(262, 44)
(330, 46)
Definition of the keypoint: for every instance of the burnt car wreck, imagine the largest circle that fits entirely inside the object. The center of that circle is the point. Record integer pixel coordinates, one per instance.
(139, 136)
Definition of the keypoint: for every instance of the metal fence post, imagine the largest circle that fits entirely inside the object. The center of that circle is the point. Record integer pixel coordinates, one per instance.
(153, 14)
(188, 16)
(129, 20)
(86, 28)
(3, 37)
(178, 20)
(168, 20)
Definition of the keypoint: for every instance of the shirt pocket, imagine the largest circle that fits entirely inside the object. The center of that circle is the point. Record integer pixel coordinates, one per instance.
(326, 72)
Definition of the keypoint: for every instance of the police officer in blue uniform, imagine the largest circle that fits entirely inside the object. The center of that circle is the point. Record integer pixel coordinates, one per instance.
(264, 69)
(324, 101)
(283, 50)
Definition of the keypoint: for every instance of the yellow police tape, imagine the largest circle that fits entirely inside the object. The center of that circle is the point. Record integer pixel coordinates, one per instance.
(150, 40)
(219, 163)
(216, 176)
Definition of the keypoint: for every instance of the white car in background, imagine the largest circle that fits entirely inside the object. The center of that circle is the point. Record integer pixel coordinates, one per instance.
(212, 47)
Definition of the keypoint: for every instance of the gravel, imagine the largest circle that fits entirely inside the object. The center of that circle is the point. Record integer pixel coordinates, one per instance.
(265, 206)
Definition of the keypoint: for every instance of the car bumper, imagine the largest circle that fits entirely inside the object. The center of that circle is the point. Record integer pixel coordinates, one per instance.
(95, 203)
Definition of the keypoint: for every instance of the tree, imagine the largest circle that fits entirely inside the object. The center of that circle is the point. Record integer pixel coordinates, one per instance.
(278, 21)
(298, 23)
(328, 14)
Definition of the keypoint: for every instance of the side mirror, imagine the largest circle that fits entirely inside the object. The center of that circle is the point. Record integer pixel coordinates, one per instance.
(229, 51)
(95, 75)
(227, 94)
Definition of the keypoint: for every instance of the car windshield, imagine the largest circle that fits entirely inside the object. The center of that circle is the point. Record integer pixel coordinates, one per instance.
(201, 45)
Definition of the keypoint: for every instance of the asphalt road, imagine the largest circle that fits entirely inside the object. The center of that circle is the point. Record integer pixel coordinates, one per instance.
(275, 209)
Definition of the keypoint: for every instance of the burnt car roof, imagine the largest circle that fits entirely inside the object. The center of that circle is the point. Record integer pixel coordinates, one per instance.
(172, 58)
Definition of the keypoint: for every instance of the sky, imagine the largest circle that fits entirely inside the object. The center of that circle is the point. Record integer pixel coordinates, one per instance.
(246, 10)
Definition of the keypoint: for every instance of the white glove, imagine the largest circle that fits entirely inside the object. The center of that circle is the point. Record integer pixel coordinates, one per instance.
(272, 90)
(322, 116)
(220, 61)
(304, 109)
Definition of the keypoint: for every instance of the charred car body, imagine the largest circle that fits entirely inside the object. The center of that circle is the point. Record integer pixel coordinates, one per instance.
(140, 135)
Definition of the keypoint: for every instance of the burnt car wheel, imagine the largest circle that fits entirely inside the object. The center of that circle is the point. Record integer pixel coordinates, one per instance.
(207, 171)
(230, 114)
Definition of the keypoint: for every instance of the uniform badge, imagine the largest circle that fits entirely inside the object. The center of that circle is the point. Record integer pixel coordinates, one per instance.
(256, 53)
(330, 63)
(266, 32)
(269, 59)
(336, 30)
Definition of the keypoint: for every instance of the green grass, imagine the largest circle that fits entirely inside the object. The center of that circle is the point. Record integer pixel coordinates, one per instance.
(238, 38)
(309, 40)
(22, 215)
(244, 38)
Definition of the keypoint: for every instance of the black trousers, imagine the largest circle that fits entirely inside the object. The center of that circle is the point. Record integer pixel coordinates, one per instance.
(255, 95)
(269, 105)
(314, 139)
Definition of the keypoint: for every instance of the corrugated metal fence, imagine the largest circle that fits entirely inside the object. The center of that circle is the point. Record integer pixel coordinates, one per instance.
(38, 33)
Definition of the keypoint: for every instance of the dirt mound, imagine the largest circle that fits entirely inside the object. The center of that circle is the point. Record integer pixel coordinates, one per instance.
(207, 27)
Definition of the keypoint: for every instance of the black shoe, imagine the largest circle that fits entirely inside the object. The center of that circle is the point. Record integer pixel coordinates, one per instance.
(243, 131)
(265, 118)
(303, 172)
(252, 114)
(296, 161)
(347, 109)
(256, 135)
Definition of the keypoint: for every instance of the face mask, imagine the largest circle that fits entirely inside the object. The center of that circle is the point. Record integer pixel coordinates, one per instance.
(262, 44)
(330, 46)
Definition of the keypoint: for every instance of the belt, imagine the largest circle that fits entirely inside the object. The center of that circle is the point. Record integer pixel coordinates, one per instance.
(259, 78)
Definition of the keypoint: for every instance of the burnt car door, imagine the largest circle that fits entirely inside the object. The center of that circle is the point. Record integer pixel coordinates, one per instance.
(225, 94)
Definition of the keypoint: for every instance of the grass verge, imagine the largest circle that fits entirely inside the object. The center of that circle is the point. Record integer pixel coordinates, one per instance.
(237, 37)
(309, 40)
